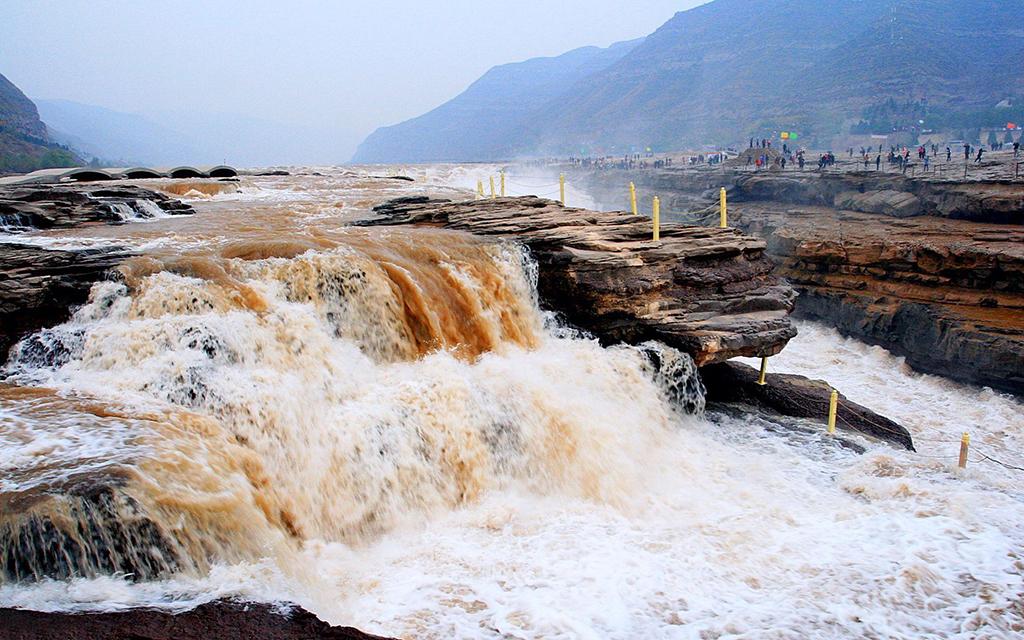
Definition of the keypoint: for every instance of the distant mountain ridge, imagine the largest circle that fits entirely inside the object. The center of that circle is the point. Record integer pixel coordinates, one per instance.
(487, 120)
(187, 137)
(24, 140)
(114, 137)
(730, 69)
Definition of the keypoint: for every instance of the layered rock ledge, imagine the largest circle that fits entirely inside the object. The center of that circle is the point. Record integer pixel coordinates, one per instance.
(916, 269)
(948, 295)
(221, 619)
(709, 292)
(29, 207)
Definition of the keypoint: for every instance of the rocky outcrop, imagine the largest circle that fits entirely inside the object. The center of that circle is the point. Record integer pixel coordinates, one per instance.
(895, 195)
(708, 292)
(914, 270)
(40, 287)
(220, 620)
(799, 397)
(58, 206)
(983, 198)
(948, 295)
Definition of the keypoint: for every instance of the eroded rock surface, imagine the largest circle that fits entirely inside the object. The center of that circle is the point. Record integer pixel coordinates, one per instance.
(39, 287)
(220, 620)
(915, 269)
(29, 207)
(708, 292)
(797, 396)
(947, 294)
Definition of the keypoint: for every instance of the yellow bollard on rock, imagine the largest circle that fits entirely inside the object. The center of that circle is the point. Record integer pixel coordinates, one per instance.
(492, 185)
(965, 445)
(656, 215)
(561, 188)
(764, 371)
(632, 197)
(480, 188)
(723, 215)
(833, 405)
(502, 184)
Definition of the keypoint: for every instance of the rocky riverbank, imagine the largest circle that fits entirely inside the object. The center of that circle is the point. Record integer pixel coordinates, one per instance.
(28, 207)
(222, 619)
(918, 266)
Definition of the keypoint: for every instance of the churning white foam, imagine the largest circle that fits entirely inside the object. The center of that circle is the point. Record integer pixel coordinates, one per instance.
(612, 516)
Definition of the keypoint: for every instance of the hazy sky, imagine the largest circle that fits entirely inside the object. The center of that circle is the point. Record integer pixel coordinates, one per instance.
(346, 66)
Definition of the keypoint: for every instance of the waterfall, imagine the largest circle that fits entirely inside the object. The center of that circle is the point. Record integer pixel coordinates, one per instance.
(228, 406)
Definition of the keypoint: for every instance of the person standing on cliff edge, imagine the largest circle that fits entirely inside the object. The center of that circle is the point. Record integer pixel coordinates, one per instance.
(878, 162)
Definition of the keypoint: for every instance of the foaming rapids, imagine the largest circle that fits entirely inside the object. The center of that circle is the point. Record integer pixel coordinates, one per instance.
(235, 405)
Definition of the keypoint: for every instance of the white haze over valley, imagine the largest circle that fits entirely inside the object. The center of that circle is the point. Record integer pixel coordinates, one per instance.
(264, 83)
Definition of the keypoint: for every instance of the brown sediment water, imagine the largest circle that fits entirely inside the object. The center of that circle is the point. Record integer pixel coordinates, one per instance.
(239, 352)
(385, 427)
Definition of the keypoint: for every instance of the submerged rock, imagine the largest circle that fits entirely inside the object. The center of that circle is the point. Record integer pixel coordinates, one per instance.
(220, 620)
(708, 292)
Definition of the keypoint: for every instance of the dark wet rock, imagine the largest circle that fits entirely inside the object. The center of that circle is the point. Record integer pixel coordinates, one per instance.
(403, 178)
(40, 287)
(799, 397)
(108, 532)
(708, 292)
(218, 620)
(44, 206)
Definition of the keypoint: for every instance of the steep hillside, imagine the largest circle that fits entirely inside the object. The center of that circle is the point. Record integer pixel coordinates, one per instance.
(489, 119)
(731, 69)
(24, 145)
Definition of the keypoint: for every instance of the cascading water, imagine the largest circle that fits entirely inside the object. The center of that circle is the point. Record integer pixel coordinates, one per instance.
(326, 394)
(383, 427)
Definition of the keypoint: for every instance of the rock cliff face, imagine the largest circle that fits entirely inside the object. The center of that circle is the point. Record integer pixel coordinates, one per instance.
(708, 292)
(221, 620)
(913, 265)
(948, 295)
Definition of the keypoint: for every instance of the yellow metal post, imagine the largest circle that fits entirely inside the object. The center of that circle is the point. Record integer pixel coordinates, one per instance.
(722, 214)
(833, 405)
(561, 188)
(480, 188)
(657, 218)
(965, 445)
(492, 185)
(502, 184)
(632, 197)
(764, 371)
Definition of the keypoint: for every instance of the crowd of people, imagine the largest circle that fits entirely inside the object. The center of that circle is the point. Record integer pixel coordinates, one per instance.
(761, 155)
